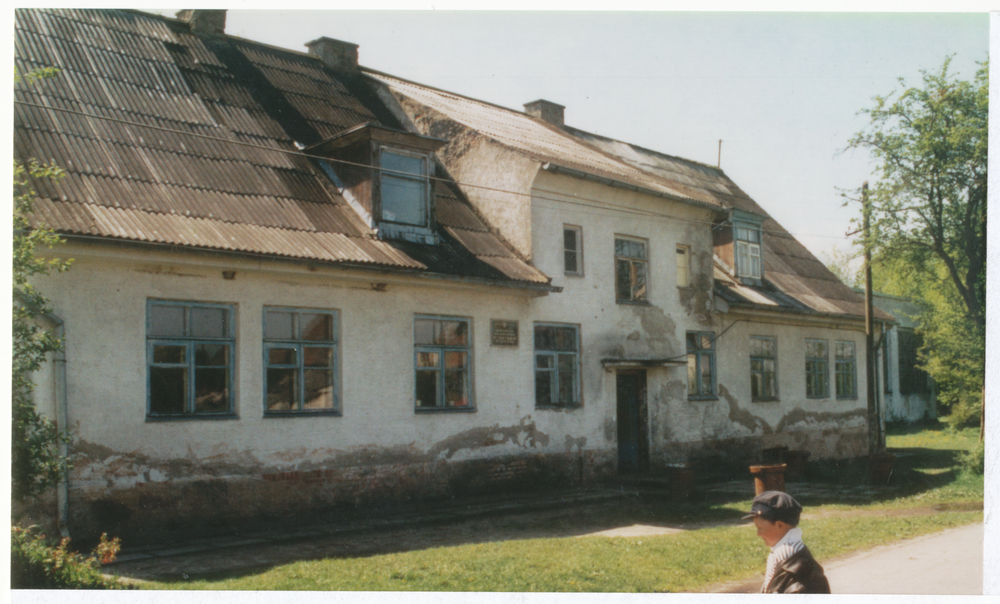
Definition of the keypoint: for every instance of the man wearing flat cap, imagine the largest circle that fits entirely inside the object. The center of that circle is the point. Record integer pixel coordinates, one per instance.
(791, 569)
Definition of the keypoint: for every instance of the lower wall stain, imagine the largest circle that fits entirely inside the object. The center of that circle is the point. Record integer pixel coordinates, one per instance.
(145, 511)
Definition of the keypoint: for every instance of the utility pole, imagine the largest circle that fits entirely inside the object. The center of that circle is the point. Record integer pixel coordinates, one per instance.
(874, 416)
(719, 164)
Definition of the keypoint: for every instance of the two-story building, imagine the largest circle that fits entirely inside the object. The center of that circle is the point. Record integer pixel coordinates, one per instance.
(299, 284)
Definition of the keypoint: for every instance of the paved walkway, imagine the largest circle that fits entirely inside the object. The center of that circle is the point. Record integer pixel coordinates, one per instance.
(949, 562)
(946, 563)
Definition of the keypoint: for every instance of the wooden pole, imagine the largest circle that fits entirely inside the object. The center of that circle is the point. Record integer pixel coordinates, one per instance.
(874, 423)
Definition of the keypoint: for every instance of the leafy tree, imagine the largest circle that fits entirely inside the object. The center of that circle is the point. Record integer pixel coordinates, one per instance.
(842, 265)
(36, 464)
(929, 217)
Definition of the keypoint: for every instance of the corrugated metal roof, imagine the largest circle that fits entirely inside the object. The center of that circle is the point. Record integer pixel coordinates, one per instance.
(134, 181)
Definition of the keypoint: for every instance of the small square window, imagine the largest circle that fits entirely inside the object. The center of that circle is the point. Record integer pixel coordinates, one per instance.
(573, 250)
(683, 266)
(630, 270)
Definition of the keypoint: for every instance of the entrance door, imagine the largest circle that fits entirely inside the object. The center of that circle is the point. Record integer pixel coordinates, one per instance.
(633, 446)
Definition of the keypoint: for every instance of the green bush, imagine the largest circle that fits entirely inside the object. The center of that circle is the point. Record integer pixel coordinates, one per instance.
(36, 565)
(974, 461)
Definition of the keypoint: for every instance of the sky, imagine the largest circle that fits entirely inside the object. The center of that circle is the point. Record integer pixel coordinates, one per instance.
(781, 90)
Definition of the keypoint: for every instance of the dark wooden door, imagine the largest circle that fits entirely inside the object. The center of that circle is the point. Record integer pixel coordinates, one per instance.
(633, 448)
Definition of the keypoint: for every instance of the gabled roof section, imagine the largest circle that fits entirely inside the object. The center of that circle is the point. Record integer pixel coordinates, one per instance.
(178, 139)
(794, 279)
(537, 139)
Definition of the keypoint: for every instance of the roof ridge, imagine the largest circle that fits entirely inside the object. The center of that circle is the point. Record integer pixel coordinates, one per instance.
(677, 157)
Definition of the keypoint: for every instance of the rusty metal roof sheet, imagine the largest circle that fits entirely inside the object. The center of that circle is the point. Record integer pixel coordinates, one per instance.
(162, 162)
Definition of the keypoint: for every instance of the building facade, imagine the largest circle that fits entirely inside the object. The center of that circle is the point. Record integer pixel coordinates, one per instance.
(302, 284)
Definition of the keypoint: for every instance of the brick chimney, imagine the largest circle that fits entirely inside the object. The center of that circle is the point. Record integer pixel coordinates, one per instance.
(208, 23)
(336, 54)
(546, 110)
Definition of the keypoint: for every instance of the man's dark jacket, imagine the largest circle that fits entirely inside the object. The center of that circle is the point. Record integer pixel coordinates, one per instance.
(799, 574)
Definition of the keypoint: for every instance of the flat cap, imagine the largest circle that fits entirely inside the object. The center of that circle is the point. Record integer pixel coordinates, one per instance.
(774, 506)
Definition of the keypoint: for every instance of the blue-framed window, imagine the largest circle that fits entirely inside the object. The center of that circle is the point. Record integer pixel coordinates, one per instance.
(817, 369)
(189, 356)
(701, 364)
(405, 188)
(443, 363)
(748, 250)
(557, 365)
(300, 361)
(763, 368)
(630, 270)
(845, 374)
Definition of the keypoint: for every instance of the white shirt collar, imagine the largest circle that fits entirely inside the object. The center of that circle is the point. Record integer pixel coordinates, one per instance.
(792, 536)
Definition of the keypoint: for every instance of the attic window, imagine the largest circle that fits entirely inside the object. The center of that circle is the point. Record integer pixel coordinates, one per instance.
(405, 187)
(384, 175)
(748, 262)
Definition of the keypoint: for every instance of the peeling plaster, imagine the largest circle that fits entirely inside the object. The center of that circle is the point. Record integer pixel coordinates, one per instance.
(523, 434)
(610, 428)
(743, 417)
(578, 443)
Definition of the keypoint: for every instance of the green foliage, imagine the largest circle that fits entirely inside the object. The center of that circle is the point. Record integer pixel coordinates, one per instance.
(35, 461)
(843, 265)
(974, 461)
(929, 221)
(36, 565)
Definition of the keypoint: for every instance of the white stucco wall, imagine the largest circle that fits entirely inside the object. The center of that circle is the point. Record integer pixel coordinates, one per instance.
(103, 301)
(380, 442)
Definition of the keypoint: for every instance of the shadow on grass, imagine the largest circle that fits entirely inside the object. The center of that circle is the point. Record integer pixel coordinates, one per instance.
(916, 471)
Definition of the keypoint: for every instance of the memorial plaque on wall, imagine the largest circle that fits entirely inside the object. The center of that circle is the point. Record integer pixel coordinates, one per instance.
(504, 333)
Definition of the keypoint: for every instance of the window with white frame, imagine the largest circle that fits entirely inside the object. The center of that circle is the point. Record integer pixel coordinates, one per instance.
(573, 250)
(443, 362)
(630, 270)
(845, 370)
(683, 266)
(817, 369)
(300, 361)
(189, 357)
(557, 365)
(405, 188)
(701, 364)
(748, 263)
(763, 368)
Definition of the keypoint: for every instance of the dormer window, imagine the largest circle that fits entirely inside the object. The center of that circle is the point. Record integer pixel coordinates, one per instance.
(405, 188)
(384, 175)
(748, 252)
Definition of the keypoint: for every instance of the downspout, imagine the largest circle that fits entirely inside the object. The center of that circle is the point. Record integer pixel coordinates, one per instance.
(62, 421)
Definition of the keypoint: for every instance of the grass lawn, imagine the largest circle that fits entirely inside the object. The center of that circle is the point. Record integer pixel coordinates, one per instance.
(675, 563)
(926, 475)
